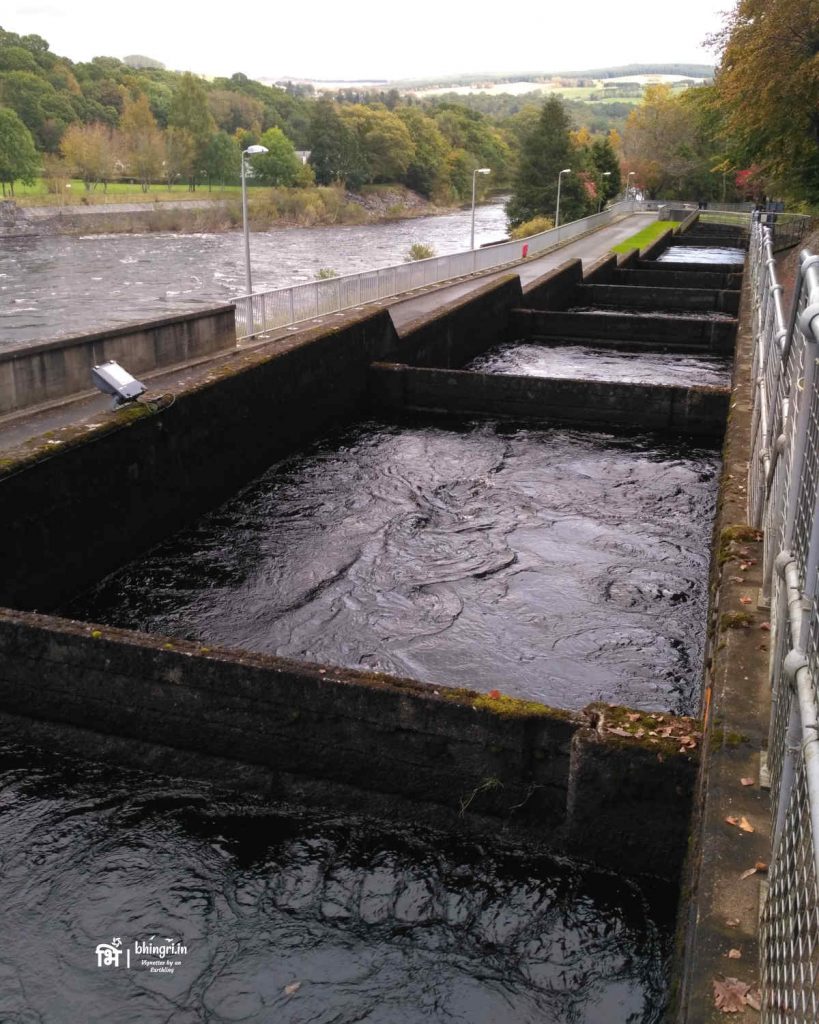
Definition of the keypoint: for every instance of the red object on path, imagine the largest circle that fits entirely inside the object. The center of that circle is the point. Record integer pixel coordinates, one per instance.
(525, 251)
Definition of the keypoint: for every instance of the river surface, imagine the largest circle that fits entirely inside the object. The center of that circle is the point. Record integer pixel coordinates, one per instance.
(57, 286)
(282, 916)
(560, 566)
(578, 362)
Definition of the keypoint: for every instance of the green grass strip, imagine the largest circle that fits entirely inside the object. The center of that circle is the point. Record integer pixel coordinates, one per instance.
(646, 236)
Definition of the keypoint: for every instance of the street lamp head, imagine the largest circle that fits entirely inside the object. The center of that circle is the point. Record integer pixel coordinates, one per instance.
(566, 170)
(483, 170)
(254, 150)
(606, 174)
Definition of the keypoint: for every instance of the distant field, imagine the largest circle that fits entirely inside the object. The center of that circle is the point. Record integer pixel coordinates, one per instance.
(117, 192)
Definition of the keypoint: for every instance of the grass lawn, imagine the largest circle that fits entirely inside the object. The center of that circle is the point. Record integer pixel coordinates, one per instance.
(117, 192)
(646, 236)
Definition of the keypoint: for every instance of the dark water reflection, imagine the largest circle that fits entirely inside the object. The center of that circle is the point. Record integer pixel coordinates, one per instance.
(556, 565)
(579, 362)
(290, 917)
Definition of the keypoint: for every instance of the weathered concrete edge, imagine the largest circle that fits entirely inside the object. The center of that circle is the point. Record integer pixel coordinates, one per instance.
(722, 906)
(288, 728)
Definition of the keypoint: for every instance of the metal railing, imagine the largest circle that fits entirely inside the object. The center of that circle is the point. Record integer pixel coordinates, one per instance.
(271, 310)
(784, 501)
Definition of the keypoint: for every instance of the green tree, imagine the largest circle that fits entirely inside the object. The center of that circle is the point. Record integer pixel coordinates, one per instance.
(279, 166)
(546, 151)
(768, 87)
(427, 170)
(607, 167)
(45, 112)
(220, 159)
(18, 157)
(143, 145)
(334, 152)
(189, 114)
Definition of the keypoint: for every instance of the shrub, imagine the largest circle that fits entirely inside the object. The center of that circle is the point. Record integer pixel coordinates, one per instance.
(532, 227)
(419, 251)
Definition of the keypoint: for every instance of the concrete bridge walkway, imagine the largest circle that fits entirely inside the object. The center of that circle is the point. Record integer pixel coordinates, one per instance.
(18, 428)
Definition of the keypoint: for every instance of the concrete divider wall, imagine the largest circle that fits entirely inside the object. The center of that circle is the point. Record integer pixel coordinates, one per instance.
(696, 411)
(454, 334)
(658, 298)
(555, 290)
(467, 753)
(35, 374)
(87, 501)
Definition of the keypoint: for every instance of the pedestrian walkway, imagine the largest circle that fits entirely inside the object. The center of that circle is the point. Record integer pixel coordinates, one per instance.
(17, 429)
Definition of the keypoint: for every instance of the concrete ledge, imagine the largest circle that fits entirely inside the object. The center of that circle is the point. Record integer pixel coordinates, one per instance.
(461, 750)
(689, 268)
(645, 297)
(667, 275)
(33, 374)
(699, 412)
(665, 333)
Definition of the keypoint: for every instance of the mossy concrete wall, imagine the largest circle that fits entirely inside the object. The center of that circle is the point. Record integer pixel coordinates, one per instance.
(34, 374)
(695, 411)
(470, 755)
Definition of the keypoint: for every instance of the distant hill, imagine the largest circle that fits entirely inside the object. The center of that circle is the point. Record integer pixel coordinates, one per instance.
(624, 71)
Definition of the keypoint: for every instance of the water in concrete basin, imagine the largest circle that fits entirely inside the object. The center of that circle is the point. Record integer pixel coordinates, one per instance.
(555, 565)
(287, 916)
(689, 314)
(693, 254)
(575, 362)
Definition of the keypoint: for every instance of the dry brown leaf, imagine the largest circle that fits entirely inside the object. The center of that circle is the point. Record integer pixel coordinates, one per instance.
(754, 999)
(745, 600)
(732, 922)
(617, 731)
(633, 716)
(734, 954)
(747, 782)
(731, 820)
(292, 988)
(747, 874)
(736, 579)
(761, 866)
(729, 995)
(745, 825)
(765, 625)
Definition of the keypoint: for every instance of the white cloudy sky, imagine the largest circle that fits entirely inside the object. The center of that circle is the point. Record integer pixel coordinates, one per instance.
(374, 38)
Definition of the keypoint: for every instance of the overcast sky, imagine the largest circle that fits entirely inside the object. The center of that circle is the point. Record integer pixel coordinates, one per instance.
(366, 39)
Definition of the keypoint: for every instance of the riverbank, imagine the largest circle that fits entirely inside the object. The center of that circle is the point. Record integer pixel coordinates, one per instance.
(313, 207)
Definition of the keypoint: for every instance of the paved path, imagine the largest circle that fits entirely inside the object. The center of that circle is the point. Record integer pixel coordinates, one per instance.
(16, 429)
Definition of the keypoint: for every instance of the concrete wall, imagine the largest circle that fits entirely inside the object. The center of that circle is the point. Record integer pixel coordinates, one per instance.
(454, 334)
(34, 374)
(662, 333)
(700, 412)
(555, 290)
(84, 502)
(464, 752)
(645, 297)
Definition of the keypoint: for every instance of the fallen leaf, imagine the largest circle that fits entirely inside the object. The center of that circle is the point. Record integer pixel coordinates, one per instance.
(734, 954)
(729, 995)
(754, 999)
(747, 782)
(761, 866)
(633, 716)
(617, 731)
(747, 874)
(494, 694)
(765, 625)
(731, 820)
(736, 579)
(293, 987)
(745, 600)
(732, 922)
(745, 825)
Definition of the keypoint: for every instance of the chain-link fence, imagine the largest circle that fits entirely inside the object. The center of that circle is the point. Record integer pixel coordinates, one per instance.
(784, 502)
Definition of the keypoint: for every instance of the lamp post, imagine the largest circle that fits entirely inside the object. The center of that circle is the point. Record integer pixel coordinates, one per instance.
(628, 182)
(605, 174)
(566, 170)
(475, 173)
(250, 151)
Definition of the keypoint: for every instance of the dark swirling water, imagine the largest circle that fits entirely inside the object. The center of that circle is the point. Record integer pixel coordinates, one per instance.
(290, 917)
(578, 362)
(555, 565)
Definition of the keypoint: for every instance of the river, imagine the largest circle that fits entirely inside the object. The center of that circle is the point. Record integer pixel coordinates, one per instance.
(58, 286)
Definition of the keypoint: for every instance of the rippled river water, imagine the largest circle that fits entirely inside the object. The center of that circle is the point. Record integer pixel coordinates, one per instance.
(57, 286)
(560, 566)
(289, 917)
